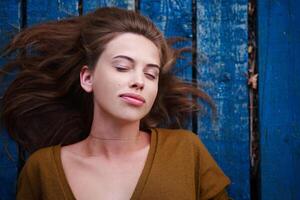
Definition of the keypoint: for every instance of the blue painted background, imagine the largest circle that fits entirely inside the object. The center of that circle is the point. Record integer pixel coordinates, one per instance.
(222, 35)
(10, 24)
(219, 31)
(279, 89)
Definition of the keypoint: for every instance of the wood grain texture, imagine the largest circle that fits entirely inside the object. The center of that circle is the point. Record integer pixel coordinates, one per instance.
(42, 11)
(90, 5)
(279, 97)
(174, 19)
(8, 166)
(10, 24)
(222, 37)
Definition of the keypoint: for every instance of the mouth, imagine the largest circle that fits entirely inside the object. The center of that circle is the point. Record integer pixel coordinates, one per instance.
(133, 99)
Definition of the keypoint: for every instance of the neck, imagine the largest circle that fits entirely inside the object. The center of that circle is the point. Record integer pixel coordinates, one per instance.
(112, 138)
(115, 139)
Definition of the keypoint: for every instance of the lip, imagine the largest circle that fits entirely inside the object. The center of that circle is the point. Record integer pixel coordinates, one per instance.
(133, 99)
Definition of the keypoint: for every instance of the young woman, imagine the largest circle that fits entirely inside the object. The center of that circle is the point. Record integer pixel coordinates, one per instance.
(90, 95)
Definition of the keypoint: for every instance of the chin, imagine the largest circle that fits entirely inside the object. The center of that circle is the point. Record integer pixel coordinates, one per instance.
(131, 116)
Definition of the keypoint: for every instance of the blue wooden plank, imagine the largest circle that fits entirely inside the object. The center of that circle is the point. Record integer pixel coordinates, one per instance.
(10, 24)
(8, 166)
(42, 11)
(279, 97)
(90, 5)
(174, 19)
(9, 20)
(222, 37)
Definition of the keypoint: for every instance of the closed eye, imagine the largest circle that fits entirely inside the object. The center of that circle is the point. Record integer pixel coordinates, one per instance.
(121, 68)
(150, 76)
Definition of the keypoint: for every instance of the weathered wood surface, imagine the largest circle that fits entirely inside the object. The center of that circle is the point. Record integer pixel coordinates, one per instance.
(279, 97)
(10, 24)
(221, 30)
(42, 11)
(222, 36)
(90, 5)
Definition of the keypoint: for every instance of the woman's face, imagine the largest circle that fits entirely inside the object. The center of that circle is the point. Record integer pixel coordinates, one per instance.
(125, 79)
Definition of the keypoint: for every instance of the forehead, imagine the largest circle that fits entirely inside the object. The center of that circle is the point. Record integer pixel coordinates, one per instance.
(133, 45)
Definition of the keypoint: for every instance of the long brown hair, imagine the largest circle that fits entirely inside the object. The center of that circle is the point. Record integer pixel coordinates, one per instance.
(45, 105)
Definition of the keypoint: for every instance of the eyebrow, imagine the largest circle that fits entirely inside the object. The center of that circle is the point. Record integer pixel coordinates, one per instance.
(132, 60)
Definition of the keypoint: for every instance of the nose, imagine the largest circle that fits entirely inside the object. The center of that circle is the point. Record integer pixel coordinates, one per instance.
(137, 81)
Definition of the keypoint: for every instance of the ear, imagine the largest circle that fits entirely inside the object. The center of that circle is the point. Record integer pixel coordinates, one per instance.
(86, 79)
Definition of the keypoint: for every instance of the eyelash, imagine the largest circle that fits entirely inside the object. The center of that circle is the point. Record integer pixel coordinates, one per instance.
(121, 68)
(124, 69)
(152, 77)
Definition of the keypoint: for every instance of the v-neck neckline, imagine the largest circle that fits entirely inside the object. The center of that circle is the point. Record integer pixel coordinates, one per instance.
(141, 181)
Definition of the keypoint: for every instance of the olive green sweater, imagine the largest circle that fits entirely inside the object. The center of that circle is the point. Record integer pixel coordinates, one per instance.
(178, 166)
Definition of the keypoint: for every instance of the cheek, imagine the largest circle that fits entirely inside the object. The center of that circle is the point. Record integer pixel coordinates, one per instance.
(154, 91)
(106, 88)
(105, 81)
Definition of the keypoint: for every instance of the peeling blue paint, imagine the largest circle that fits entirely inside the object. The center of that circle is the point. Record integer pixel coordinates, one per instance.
(90, 5)
(42, 11)
(222, 40)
